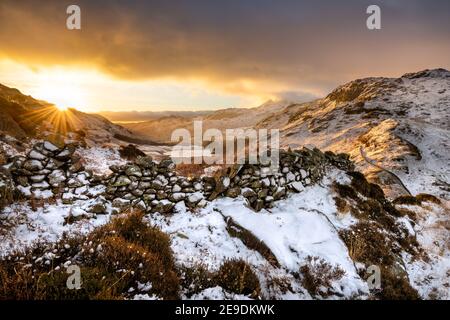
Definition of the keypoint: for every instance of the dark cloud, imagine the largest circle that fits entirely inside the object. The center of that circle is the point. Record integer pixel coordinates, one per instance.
(282, 47)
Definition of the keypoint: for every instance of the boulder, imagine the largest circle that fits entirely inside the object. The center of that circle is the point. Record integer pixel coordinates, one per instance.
(48, 146)
(133, 170)
(36, 155)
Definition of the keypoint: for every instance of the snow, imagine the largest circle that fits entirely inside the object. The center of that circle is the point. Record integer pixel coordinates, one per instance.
(217, 293)
(100, 159)
(432, 278)
(292, 230)
(47, 223)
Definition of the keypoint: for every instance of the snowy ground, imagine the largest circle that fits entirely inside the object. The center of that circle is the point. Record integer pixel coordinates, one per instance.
(303, 225)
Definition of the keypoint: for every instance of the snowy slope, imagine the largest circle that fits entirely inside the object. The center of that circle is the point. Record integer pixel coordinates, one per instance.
(304, 225)
(401, 124)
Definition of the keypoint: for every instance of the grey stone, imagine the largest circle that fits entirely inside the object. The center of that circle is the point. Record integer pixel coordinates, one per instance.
(33, 165)
(56, 178)
(144, 162)
(122, 181)
(133, 170)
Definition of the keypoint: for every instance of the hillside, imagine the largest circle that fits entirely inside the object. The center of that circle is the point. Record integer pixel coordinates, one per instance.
(401, 124)
(160, 129)
(143, 228)
(23, 117)
(395, 129)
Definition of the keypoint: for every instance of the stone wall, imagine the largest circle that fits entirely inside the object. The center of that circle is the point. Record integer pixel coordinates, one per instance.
(52, 172)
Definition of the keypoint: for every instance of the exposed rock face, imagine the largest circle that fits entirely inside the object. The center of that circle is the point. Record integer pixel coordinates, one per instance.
(49, 171)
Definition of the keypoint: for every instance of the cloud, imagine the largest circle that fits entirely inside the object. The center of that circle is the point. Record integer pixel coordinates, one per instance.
(256, 47)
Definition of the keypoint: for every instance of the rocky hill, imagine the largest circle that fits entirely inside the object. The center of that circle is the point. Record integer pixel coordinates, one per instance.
(398, 124)
(23, 117)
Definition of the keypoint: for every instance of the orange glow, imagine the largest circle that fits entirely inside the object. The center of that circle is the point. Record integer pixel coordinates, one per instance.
(60, 88)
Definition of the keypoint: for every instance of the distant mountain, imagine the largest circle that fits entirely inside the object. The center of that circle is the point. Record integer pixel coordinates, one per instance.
(24, 117)
(160, 130)
(140, 116)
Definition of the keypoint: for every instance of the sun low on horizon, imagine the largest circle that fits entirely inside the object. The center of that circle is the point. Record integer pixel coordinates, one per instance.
(63, 96)
(90, 90)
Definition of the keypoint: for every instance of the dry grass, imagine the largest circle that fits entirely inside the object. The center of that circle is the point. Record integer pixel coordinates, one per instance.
(233, 276)
(196, 279)
(191, 170)
(341, 205)
(423, 197)
(318, 276)
(367, 243)
(112, 259)
(238, 277)
(409, 200)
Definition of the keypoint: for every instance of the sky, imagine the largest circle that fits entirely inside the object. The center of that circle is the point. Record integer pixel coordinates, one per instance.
(209, 54)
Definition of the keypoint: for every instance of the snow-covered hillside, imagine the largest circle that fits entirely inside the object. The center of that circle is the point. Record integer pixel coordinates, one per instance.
(160, 130)
(398, 124)
(142, 228)
(401, 124)
(316, 241)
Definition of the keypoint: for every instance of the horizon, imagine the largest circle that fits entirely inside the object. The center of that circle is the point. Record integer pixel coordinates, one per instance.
(155, 110)
(158, 56)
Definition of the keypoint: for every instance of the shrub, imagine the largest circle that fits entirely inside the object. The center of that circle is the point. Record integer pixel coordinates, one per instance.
(130, 152)
(197, 278)
(410, 200)
(112, 259)
(341, 204)
(360, 184)
(238, 277)
(423, 197)
(318, 275)
(367, 243)
(395, 287)
(345, 191)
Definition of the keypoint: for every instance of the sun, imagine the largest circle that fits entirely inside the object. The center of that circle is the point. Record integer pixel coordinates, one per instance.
(63, 96)
(63, 88)
(61, 108)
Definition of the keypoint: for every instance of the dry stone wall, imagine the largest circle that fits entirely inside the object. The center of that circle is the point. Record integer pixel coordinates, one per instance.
(49, 171)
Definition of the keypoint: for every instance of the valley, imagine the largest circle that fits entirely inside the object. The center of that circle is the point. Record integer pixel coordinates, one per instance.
(363, 181)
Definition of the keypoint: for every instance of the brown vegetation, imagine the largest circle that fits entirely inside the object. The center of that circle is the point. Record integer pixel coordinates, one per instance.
(238, 277)
(318, 275)
(112, 259)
